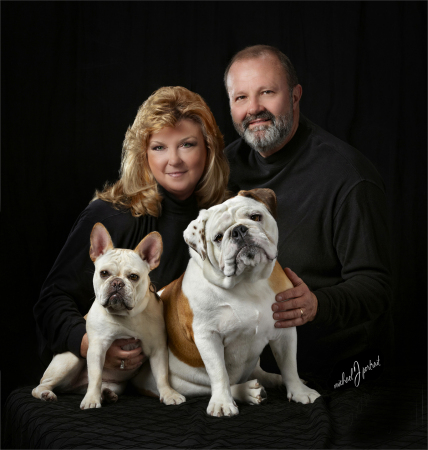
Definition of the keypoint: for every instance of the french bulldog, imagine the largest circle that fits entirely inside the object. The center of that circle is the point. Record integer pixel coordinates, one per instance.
(125, 306)
(218, 314)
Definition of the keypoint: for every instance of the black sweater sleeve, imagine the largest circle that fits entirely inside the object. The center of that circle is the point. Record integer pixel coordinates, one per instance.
(361, 241)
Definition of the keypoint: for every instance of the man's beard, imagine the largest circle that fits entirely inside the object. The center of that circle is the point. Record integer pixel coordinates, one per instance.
(265, 138)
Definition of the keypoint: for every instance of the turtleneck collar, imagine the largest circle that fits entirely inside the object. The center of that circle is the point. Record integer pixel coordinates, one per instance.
(172, 205)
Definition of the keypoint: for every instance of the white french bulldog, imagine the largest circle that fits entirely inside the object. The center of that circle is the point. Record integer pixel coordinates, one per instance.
(124, 307)
(218, 314)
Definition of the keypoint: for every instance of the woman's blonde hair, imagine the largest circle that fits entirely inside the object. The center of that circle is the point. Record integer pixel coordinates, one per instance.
(137, 188)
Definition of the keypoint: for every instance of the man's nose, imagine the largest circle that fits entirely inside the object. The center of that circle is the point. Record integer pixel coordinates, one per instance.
(254, 106)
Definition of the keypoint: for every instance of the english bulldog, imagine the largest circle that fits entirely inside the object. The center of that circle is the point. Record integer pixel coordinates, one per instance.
(218, 314)
(125, 306)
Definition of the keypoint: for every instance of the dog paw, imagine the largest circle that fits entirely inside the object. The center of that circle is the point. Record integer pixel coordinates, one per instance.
(302, 394)
(171, 397)
(109, 396)
(251, 392)
(91, 401)
(48, 396)
(222, 407)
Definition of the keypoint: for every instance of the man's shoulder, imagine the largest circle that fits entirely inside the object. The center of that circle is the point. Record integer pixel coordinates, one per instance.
(233, 148)
(341, 158)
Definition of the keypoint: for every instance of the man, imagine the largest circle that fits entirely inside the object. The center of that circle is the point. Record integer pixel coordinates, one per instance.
(332, 215)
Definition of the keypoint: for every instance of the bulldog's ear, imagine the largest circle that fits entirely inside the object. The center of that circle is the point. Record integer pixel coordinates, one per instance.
(263, 195)
(100, 241)
(194, 234)
(150, 249)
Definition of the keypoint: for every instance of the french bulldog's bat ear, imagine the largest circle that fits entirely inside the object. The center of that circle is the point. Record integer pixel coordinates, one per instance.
(194, 234)
(264, 195)
(100, 241)
(150, 249)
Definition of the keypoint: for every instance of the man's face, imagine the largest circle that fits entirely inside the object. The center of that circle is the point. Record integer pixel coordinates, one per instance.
(264, 110)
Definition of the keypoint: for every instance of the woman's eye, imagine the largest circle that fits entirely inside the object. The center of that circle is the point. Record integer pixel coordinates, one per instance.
(134, 277)
(256, 217)
(188, 144)
(218, 238)
(104, 274)
(157, 148)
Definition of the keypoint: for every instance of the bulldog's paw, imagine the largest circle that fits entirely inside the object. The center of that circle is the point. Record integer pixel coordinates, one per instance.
(109, 396)
(91, 401)
(251, 392)
(48, 396)
(302, 394)
(222, 406)
(171, 397)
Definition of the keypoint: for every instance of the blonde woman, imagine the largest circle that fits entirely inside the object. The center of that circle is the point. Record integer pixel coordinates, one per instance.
(172, 166)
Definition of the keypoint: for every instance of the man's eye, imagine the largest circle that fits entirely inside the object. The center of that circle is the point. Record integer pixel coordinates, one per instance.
(256, 217)
(267, 91)
(218, 238)
(134, 277)
(104, 273)
(241, 97)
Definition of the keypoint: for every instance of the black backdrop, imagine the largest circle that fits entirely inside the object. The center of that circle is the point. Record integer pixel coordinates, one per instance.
(75, 73)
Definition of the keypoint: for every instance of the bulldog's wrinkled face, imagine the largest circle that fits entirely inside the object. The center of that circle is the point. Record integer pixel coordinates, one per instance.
(120, 280)
(236, 236)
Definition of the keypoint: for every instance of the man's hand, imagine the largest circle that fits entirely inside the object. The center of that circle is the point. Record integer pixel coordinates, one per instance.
(291, 303)
(115, 354)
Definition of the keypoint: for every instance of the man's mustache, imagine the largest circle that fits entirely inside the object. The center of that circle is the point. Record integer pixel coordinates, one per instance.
(264, 115)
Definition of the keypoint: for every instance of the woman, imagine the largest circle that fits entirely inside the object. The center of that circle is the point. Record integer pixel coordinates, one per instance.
(172, 166)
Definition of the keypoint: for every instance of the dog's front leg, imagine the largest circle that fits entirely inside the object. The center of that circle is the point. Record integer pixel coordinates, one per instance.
(159, 366)
(95, 361)
(285, 350)
(211, 350)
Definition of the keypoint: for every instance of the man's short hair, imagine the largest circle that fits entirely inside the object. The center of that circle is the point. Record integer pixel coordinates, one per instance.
(256, 51)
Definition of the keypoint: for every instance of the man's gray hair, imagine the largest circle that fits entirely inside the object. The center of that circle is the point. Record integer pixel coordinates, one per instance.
(256, 51)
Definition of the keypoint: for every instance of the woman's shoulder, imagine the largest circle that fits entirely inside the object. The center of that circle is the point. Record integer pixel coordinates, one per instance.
(109, 214)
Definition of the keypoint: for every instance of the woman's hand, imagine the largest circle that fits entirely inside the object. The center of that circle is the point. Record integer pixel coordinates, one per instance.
(115, 354)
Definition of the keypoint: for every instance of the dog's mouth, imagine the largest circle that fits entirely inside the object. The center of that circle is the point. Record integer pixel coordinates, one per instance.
(251, 255)
(116, 302)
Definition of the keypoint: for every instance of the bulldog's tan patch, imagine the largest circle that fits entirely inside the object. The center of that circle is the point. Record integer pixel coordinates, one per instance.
(179, 320)
(278, 281)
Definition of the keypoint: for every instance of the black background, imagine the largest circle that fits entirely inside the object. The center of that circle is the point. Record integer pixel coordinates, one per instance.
(75, 73)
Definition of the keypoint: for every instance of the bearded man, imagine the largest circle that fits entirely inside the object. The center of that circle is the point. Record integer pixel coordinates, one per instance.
(332, 214)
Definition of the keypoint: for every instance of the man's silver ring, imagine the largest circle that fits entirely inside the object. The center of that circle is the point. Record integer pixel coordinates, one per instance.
(122, 364)
(301, 312)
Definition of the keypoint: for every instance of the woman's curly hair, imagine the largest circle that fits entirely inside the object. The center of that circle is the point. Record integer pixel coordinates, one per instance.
(137, 188)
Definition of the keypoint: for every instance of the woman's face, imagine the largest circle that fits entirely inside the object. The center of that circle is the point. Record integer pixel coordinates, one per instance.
(177, 157)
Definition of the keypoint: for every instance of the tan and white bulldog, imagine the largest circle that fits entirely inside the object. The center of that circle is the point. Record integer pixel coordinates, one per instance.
(125, 307)
(218, 314)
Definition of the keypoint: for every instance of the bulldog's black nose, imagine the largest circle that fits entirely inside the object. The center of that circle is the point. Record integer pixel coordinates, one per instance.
(239, 231)
(117, 284)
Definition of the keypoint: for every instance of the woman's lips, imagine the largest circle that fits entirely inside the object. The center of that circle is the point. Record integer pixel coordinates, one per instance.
(176, 174)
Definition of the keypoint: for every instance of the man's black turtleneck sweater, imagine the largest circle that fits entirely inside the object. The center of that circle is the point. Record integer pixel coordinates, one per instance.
(68, 292)
(333, 233)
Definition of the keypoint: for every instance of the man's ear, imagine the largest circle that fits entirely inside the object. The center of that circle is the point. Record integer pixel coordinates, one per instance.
(194, 234)
(263, 195)
(100, 241)
(150, 249)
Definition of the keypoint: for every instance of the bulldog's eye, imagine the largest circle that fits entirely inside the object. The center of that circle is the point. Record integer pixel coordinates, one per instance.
(218, 238)
(256, 217)
(134, 277)
(104, 273)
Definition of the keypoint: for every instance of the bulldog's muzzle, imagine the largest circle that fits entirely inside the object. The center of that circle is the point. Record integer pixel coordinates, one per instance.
(238, 234)
(116, 298)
